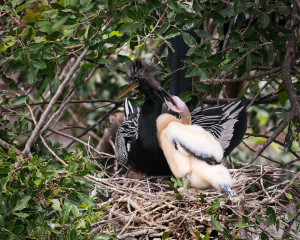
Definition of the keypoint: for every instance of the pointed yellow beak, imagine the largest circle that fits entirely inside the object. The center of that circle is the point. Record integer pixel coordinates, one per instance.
(129, 87)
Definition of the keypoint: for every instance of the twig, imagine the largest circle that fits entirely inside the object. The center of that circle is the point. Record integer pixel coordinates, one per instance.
(98, 122)
(233, 80)
(260, 90)
(242, 58)
(279, 129)
(82, 142)
(64, 104)
(72, 101)
(43, 140)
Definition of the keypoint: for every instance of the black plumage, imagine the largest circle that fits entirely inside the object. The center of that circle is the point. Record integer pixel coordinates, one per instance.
(144, 152)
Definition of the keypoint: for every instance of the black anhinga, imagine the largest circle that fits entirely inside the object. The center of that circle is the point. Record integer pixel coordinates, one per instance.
(227, 123)
(144, 153)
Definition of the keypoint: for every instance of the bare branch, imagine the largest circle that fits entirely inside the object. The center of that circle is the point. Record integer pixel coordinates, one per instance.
(279, 130)
(98, 122)
(60, 89)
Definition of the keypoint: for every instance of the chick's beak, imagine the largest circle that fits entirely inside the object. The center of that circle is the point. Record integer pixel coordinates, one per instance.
(130, 86)
(167, 96)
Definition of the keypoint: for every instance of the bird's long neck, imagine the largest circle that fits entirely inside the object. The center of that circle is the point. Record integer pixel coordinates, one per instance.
(150, 110)
(186, 118)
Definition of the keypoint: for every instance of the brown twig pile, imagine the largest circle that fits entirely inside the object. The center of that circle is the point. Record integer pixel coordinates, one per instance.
(142, 209)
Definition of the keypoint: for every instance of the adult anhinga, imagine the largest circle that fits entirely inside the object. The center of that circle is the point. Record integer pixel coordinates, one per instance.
(139, 126)
(192, 152)
(136, 140)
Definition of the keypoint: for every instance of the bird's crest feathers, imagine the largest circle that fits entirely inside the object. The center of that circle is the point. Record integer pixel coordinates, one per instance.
(140, 69)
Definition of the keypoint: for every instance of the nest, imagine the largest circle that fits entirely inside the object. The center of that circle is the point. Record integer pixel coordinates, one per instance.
(147, 209)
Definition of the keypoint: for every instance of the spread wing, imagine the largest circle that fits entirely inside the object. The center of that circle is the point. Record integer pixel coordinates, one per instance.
(127, 132)
(227, 123)
(194, 141)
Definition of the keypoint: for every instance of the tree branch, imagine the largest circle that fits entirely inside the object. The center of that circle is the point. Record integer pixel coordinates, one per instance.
(98, 122)
(60, 89)
(279, 130)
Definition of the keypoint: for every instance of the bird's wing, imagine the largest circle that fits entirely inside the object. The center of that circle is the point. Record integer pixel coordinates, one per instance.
(194, 141)
(227, 123)
(127, 132)
(130, 111)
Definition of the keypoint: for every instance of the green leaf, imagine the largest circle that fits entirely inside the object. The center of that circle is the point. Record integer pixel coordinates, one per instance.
(165, 235)
(172, 33)
(264, 20)
(206, 36)
(189, 39)
(288, 141)
(75, 211)
(216, 224)
(56, 204)
(289, 216)
(264, 236)
(11, 224)
(72, 168)
(64, 215)
(58, 22)
(21, 214)
(128, 28)
(19, 100)
(173, 5)
(23, 203)
(195, 71)
(240, 224)
(248, 63)
(186, 96)
(164, 27)
(44, 26)
(271, 215)
(18, 229)
(217, 17)
(33, 47)
(53, 36)
(3, 154)
(1, 221)
(214, 206)
(289, 196)
(86, 199)
(38, 63)
(20, 8)
(282, 97)
(202, 198)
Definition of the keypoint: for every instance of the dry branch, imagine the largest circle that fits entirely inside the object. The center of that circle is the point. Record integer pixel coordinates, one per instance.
(60, 89)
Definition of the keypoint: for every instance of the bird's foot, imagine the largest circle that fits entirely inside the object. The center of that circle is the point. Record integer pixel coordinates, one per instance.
(228, 190)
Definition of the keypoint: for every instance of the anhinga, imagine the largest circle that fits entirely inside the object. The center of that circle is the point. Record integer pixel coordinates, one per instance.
(136, 140)
(192, 152)
(139, 127)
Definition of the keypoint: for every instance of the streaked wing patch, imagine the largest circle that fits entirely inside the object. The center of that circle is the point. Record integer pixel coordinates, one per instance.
(219, 121)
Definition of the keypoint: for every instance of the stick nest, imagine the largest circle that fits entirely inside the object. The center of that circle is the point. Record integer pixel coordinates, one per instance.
(144, 209)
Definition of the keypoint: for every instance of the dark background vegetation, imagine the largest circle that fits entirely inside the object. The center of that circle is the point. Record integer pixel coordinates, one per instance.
(62, 64)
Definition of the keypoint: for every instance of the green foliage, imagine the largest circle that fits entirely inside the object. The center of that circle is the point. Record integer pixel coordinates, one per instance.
(42, 199)
(177, 183)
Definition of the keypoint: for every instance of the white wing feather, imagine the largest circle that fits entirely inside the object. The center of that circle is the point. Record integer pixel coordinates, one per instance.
(195, 139)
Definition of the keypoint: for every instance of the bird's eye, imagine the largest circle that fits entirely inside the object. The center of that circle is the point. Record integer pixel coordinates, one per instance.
(136, 78)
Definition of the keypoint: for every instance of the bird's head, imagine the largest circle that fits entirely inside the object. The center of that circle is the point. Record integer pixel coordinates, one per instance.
(179, 105)
(145, 77)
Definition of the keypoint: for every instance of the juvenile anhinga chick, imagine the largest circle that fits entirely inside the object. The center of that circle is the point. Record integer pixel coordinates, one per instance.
(192, 152)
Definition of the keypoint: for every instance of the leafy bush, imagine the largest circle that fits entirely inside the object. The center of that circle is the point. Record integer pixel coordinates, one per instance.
(43, 199)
